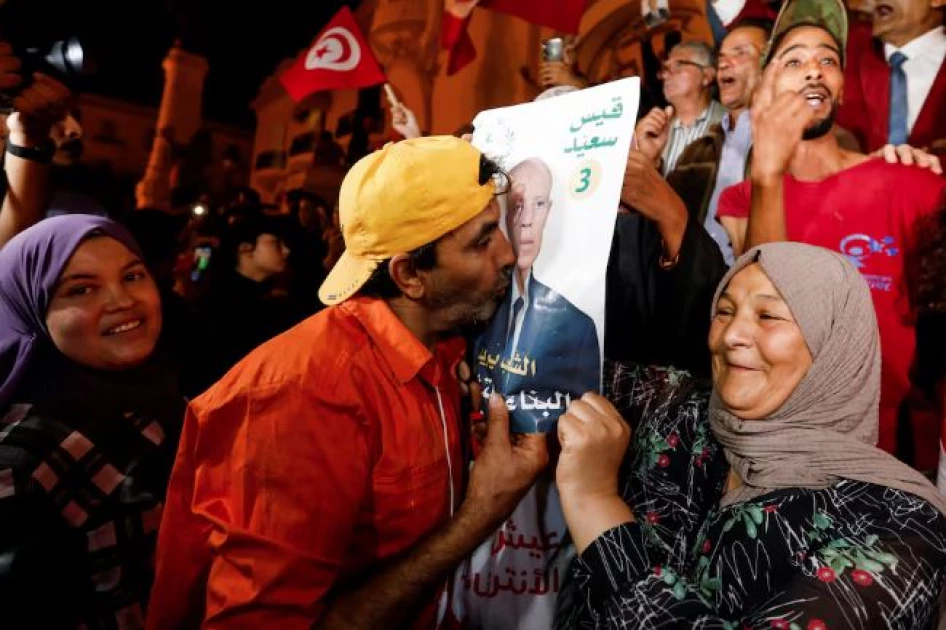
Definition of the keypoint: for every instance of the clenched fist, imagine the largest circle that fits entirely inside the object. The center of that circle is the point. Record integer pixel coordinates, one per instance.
(653, 131)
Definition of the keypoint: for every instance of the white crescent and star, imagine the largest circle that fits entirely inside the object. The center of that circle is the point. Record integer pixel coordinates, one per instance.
(337, 49)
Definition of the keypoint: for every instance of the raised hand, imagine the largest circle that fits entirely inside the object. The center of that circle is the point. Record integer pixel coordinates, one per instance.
(778, 124)
(404, 121)
(653, 131)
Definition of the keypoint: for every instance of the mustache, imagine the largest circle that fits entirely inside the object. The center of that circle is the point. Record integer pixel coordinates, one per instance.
(818, 87)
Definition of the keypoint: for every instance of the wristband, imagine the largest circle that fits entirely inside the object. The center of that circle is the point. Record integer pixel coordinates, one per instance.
(42, 153)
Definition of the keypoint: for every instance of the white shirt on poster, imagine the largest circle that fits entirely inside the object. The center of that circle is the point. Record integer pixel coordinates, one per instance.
(521, 315)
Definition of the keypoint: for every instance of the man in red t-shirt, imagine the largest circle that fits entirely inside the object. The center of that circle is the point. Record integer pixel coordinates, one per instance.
(804, 187)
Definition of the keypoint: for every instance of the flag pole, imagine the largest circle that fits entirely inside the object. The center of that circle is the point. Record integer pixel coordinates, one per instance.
(392, 97)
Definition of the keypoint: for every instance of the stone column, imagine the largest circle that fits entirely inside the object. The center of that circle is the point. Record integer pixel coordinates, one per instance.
(404, 37)
(178, 120)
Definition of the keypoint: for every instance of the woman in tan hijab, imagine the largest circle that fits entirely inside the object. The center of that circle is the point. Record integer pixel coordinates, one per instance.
(816, 527)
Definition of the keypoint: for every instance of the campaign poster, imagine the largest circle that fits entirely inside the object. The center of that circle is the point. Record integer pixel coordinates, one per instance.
(566, 158)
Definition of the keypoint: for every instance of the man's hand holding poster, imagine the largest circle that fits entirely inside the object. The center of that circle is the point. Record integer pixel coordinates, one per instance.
(565, 158)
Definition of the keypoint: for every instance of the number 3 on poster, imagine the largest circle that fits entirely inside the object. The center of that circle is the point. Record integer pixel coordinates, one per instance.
(584, 179)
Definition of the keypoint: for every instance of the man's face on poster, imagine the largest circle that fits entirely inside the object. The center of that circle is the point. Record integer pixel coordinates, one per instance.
(529, 205)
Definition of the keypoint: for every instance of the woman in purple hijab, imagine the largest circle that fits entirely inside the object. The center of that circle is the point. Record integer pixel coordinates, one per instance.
(89, 421)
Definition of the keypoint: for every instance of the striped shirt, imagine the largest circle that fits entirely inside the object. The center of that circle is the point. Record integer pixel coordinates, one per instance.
(681, 135)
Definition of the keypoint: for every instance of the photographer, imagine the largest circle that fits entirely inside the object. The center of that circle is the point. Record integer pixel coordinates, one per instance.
(29, 148)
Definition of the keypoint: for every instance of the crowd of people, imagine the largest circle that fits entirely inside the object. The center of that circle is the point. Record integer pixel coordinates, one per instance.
(231, 417)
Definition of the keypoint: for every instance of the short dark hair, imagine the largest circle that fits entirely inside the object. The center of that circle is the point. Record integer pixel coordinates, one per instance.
(762, 24)
(248, 230)
(775, 43)
(464, 129)
(382, 285)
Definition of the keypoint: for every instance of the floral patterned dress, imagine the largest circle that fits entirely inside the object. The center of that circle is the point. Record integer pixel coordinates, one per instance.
(854, 555)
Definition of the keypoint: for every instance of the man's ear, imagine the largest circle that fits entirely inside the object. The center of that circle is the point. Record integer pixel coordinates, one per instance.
(406, 277)
(709, 77)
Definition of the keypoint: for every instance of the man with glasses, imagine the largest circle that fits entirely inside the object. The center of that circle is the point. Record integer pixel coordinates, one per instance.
(718, 158)
(688, 76)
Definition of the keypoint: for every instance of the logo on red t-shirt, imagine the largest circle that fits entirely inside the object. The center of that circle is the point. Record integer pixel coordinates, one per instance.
(860, 249)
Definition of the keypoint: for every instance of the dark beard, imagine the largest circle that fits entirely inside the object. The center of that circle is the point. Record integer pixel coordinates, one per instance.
(822, 127)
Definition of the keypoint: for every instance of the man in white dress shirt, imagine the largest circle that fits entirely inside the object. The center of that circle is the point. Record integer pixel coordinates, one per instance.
(895, 83)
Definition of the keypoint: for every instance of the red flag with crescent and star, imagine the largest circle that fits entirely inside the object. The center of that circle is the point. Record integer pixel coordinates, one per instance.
(340, 58)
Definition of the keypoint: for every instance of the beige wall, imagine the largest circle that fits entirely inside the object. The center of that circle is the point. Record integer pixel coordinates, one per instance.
(116, 133)
(278, 122)
(505, 48)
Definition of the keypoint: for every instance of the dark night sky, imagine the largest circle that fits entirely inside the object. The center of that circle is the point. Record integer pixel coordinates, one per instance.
(130, 38)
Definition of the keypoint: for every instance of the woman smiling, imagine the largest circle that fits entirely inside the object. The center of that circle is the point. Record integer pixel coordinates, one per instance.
(90, 420)
(816, 527)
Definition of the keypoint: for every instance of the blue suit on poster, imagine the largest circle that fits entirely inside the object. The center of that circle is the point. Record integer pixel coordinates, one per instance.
(555, 358)
(540, 351)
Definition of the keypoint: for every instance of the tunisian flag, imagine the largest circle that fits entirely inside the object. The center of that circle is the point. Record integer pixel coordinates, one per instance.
(339, 58)
(562, 15)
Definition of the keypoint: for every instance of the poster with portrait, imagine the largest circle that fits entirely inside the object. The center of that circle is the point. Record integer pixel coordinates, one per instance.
(565, 157)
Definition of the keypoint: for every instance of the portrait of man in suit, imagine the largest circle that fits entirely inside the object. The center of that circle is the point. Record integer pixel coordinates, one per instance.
(540, 350)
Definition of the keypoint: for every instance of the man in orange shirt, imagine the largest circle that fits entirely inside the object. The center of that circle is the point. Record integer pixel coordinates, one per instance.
(318, 483)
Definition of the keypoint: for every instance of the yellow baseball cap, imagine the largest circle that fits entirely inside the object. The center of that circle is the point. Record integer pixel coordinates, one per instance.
(406, 195)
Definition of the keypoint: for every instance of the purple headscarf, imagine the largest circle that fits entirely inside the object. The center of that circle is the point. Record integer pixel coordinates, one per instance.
(30, 266)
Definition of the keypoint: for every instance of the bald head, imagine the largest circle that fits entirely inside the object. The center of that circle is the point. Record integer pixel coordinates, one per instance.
(535, 172)
(530, 202)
